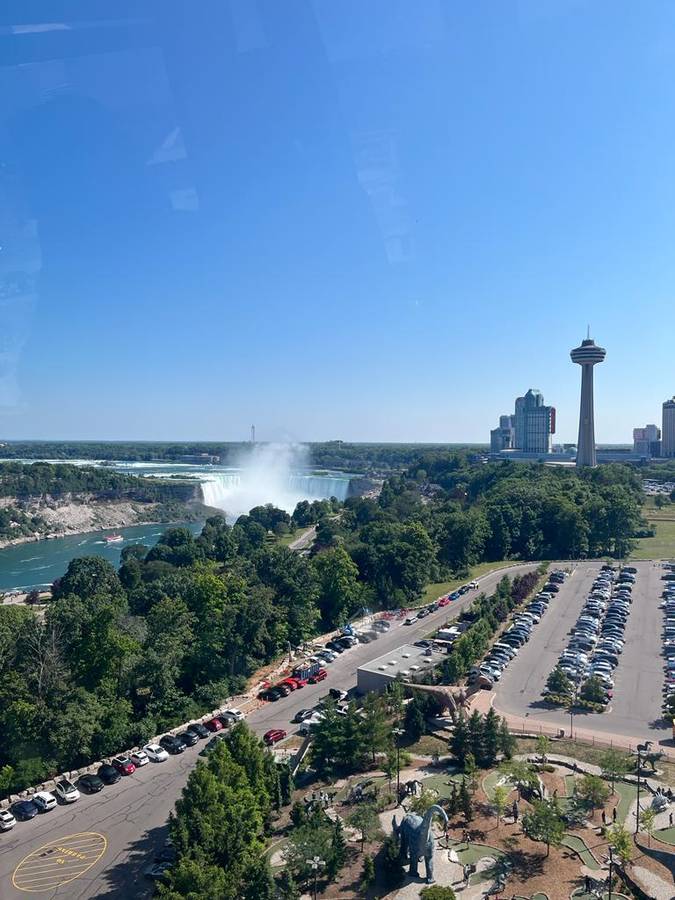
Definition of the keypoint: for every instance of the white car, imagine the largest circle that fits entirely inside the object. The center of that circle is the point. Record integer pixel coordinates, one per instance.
(7, 820)
(44, 800)
(155, 752)
(139, 758)
(65, 790)
(234, 714)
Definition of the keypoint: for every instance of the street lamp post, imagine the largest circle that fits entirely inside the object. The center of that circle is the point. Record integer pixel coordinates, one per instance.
(611, 871)
(398, 732)
(314, 863)
(637, 810)
(573, 701)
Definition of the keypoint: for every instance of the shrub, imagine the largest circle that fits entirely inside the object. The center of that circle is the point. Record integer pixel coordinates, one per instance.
(437, 892)
(392, 868)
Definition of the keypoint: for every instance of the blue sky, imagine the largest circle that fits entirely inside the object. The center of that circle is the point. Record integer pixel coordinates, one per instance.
(367, 221)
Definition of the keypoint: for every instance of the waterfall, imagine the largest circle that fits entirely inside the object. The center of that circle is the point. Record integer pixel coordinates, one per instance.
(271, 474)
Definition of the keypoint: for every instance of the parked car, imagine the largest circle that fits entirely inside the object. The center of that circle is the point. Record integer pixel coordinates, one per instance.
(172, 744)
(66, 791)
(410, 620)
(189, 738)
(123, 765)
(157, 871)
(337, 694)
(108, 774)
(233, 714)
(44, 800)
(156, 753)
(318, 676)
(7, 820)
(200, 730)
(209, 745)
(91, 784)
(273, 736)
(23, 810)
(214, 725)
(303, 714)
(139, 758)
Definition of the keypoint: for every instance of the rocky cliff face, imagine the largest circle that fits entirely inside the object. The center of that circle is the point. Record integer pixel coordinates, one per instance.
(73, 514)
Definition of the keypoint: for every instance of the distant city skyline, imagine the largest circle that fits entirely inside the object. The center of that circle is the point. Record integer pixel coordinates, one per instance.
(373, 222)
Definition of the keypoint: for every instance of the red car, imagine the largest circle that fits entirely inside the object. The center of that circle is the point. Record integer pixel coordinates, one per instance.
(291, 682)
(214, 725)
(318, 676)
(273, 736)
(444, 601)
(123, 765)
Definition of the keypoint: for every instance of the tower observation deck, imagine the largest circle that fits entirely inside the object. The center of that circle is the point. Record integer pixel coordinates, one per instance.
(587, 355)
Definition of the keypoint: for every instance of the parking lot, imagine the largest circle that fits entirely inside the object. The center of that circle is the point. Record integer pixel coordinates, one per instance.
(130, 817)
(635, 710)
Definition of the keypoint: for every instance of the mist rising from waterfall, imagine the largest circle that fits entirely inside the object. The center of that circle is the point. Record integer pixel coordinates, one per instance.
(270, 473)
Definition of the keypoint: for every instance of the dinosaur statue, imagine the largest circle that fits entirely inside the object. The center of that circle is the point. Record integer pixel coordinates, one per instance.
(416, 839)
(646, 755)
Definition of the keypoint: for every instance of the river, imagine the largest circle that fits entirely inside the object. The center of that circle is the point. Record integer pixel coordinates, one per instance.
(38, 563)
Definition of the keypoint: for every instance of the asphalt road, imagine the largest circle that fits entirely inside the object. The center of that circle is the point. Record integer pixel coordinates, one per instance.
(131, 815)
(638, 678)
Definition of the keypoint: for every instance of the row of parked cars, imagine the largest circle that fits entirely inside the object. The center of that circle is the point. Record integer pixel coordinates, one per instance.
(66, 791)
(597, 639)
(668, 605)
(312, 670)
(518, 633)
(442, 601)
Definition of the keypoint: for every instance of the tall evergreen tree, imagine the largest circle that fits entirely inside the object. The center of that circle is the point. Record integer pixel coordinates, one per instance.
(465, 801)
(459, 742)
(491, 738)
(475, 735)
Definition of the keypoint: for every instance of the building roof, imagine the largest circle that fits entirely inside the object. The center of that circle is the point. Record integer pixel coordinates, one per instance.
(406, 660)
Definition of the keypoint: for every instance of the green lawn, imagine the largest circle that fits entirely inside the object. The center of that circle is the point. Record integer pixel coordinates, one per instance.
(438, 588)
(570, 781)
(662, 545)
(427, 745)
(667, 835)
(627, 794)
(469, 855)
(442, 784)
(491, 781)
(286, 539)
(574, 842)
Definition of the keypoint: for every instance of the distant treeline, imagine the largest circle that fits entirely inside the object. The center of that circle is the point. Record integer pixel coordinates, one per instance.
(658, 471)
(25, 480)
(330, 454)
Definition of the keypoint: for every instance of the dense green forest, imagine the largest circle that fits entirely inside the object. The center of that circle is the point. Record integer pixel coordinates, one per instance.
(122, 655)
(22, 480)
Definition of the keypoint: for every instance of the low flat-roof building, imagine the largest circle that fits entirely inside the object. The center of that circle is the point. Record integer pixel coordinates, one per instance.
(407, 663)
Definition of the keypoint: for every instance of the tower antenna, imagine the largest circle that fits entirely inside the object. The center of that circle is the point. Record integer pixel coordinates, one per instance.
(253, 434)
(588, 332)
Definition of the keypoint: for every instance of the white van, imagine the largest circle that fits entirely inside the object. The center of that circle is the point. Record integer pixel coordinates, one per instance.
(44, 801)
